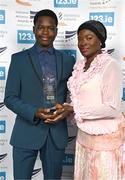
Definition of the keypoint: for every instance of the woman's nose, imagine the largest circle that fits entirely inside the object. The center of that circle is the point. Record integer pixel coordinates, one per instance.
(83, 43)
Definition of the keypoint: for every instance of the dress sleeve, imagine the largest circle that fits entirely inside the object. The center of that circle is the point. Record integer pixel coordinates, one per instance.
(111, 94)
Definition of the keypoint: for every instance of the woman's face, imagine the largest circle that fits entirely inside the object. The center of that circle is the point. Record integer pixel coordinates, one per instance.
(88, 43)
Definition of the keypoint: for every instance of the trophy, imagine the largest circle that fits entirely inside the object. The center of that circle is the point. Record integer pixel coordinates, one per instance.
(49, 90)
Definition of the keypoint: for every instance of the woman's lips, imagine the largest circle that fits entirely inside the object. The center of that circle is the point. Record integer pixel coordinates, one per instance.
(84, 50)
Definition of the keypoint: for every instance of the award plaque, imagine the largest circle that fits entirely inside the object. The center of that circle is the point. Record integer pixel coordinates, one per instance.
(49, 90)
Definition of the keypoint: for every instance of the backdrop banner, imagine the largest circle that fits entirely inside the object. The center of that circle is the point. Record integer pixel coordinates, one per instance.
(16, 24)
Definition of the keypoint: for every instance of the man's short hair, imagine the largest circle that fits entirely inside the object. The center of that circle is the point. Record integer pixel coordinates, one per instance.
(46, 12)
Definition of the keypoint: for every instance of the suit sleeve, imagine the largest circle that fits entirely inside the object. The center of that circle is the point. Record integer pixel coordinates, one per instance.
(13, 93)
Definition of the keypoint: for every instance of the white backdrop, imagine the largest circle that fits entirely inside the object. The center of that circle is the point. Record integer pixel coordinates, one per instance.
(16, 34)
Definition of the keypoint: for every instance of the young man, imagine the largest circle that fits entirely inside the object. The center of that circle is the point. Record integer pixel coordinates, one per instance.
(37, 80)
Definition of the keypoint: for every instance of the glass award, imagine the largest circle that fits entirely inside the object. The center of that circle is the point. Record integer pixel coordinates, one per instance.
(49, 90)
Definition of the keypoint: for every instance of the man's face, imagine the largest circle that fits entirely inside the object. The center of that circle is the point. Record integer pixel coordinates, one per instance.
(45, 31)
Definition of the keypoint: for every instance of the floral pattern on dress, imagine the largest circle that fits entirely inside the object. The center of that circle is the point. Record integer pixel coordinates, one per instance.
(91, 164)
(95, 67)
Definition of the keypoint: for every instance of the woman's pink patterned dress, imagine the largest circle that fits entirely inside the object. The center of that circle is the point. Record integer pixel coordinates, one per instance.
(96, 97)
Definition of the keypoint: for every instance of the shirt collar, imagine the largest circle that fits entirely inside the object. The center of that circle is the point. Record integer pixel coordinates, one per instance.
(41, 50)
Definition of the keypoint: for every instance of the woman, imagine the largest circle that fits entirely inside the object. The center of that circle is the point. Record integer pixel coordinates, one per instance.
(96, 91)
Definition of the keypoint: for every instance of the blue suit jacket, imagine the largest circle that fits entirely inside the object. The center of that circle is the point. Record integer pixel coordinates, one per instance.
(24, 95)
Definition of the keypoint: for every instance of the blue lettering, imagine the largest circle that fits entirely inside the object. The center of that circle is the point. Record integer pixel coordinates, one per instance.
(66, 3)
(107, 18)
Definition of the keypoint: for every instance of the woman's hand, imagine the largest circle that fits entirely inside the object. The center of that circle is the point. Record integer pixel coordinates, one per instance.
(62, 111)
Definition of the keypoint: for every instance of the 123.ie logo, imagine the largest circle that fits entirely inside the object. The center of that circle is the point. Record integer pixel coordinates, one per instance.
(66, 3)
(2, 73)
(2, 126)
(107, 18)
(2, 16)
(3, 176)
(25, 37)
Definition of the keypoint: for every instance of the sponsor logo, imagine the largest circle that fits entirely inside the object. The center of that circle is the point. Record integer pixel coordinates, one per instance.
(107, 18)
(2, 73)
(70, 52)
(2, 16)
(99, 2)
(32, 14)
(2, 89)
(3, 33)
(1, 105)
(2, 176)
(71, 138)
(23, 2)
(23, 18)
(25, 37)
(3, 141)
(60, 15)
(2, 156)
(123, 98)
(65, 37)
(68, 160)
(61, 19)
(2, 49)
(123, 73)
(69, 35)
(110, 51)
(35, 172)
(66, 3)
(2, 126)
(64, 19)
(67, 18)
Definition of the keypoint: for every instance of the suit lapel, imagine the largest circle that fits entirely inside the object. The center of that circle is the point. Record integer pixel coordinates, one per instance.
(35, 62)
(59, 65)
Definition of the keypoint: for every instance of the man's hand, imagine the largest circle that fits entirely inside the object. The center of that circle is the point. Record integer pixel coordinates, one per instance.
(62, 111)
(42, 113)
